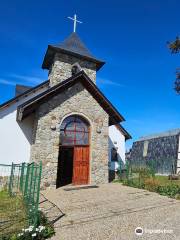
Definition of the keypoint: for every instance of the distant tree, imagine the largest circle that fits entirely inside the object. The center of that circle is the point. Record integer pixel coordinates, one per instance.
(175, 48)
(175, 45)
(177, 81)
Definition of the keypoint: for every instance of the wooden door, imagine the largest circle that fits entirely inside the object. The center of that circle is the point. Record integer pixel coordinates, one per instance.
(81, 165)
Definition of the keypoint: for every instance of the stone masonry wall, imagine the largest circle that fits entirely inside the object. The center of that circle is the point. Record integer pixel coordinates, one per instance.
(61, 69)
(46, 134)
(161, 151)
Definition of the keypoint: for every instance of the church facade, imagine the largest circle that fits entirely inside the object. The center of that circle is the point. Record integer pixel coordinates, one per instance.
(66, 121)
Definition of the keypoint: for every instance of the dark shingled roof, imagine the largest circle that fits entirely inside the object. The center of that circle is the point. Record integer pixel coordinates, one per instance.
(72, 46)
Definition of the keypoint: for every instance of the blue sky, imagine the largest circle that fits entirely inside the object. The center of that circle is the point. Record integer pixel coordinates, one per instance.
(129, 35)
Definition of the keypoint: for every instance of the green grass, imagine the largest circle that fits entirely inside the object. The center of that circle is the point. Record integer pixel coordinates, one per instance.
(163, 180)
(117, 181)
(13, 215)
(158, 183)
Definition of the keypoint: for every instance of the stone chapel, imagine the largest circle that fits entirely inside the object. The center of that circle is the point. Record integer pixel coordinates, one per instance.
(65, 121)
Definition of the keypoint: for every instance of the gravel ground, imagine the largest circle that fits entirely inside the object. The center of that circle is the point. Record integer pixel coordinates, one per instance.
(113, 212)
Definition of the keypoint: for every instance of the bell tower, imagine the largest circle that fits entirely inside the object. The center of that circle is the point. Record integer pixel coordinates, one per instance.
(67, 58)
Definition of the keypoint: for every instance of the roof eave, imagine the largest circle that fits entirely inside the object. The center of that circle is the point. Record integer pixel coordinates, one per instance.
(51, 50)
(16, 99)
(27, 107)
(124, 132)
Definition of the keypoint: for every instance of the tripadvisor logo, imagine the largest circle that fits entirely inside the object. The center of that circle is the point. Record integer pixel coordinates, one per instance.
(139, 231)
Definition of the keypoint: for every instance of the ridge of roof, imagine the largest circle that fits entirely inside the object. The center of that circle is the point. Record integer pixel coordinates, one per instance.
(27, 107)
(168, 133)
(16, 98)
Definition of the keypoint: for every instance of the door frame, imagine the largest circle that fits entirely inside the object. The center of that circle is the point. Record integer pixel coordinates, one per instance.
(89, 123)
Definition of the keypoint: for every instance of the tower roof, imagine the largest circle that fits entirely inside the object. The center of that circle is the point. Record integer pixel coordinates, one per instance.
(74, 46)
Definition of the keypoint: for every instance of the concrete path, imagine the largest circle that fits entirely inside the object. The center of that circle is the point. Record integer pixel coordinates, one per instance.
(113, 212)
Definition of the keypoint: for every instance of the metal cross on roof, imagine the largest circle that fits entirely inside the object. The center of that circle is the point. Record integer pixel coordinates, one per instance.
(75, 21)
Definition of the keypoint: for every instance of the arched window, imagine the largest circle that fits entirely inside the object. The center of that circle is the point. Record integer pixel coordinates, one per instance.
(74, 131)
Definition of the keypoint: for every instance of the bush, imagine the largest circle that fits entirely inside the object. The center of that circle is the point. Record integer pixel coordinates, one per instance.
(144, 177)
(44, 230)
(31, 233)
(177, 196)
(136, 177)
(154, 185)
(151, 184)
(39, 233)
(133, 183)
(144, 173)
(168, 190)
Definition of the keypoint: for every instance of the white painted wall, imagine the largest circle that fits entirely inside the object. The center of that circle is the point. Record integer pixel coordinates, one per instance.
(117, 140)
(15, 137)
(178, 160)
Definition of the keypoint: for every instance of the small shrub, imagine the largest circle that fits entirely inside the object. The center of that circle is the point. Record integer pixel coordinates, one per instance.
(144, 173)
(31, 233)
(177, 196)
(44, 230)
(42, 219)
(145, 178)
(168, 190)
(133, 183)
(151, 184)
(117, 181)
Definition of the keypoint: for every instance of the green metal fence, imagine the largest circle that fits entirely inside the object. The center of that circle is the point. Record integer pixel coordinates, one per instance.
(19, 196)
(133, 172)
(151, 167)
(164, 166)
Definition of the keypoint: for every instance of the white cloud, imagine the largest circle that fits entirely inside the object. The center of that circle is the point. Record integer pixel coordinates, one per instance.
(13, 79)
(7, 82)
(108, 82)
(29, 79)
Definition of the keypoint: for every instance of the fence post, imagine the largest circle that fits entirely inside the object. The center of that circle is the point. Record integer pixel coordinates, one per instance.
(22, 177)
(26, 183)
(11, 179)
(32, 178)
(119, 169)
(127, 170)
(38, 193)
(35, 179)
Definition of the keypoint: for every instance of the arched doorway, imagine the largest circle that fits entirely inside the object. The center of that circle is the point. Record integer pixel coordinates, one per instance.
(73, 161)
